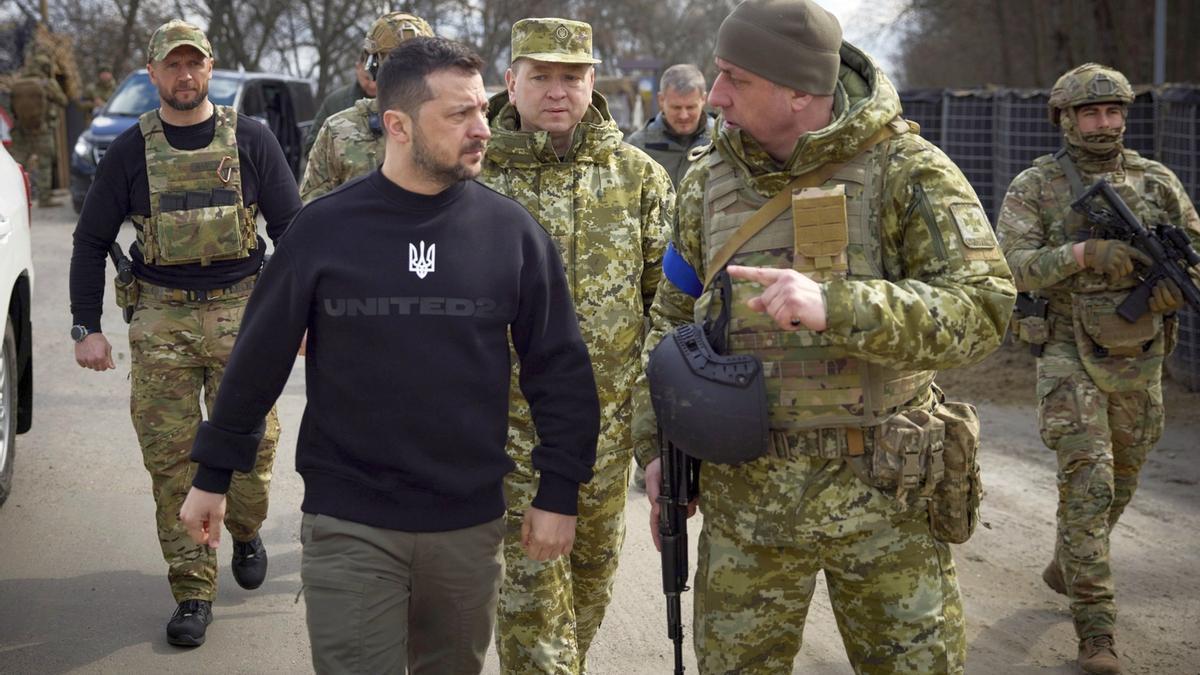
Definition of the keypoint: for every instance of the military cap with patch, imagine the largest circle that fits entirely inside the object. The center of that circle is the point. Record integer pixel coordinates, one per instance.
(174, 34)
(553, 40)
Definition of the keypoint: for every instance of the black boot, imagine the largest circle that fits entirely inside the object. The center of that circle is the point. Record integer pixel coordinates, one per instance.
(249, 563)
(189, 623)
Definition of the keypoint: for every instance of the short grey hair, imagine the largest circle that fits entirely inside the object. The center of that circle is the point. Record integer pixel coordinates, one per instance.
(683, 78)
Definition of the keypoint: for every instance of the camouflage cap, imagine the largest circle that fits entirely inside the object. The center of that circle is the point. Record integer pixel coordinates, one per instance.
(1089, 83)
(174, 34)
(554, 40)
(388, 31)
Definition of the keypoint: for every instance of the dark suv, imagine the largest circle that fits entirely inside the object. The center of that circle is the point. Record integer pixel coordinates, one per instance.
(283, 103)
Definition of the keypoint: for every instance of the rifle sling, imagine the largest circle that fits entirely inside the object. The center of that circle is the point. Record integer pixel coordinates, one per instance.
(780, 203)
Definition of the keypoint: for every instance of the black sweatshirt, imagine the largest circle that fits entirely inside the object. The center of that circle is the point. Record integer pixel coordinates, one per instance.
(408, 301)
(121, 189)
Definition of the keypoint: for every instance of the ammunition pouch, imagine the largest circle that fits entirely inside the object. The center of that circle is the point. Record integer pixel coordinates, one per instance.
(954, 506)
(127, 295)
(906, 458)
(1118, 355)
(1032, 330)
(929, 456)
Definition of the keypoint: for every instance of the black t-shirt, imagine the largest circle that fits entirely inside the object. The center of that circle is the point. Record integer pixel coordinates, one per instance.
(409, 301)
(121, 190)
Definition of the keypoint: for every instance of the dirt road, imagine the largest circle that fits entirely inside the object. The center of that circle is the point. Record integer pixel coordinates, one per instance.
(82, 585)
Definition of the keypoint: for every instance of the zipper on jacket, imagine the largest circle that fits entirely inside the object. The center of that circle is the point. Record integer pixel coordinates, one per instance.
(921, 201)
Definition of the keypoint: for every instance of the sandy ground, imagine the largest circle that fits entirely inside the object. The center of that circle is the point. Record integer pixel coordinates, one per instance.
(82, 586)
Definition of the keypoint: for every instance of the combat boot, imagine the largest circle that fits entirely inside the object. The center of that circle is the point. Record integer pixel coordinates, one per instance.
(189, 623)
(1098, 656)
(249, 563)
(1053, 577)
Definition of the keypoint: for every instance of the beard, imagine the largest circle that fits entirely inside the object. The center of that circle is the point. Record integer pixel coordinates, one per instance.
(445, 173)
(201, 95)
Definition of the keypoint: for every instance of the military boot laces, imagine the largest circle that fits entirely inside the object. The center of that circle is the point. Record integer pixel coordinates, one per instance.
(249, 563)
(1053, 577)
(189, 623)
(1098, 656)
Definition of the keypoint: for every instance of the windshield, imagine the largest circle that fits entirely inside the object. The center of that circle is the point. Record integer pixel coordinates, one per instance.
(136, 94)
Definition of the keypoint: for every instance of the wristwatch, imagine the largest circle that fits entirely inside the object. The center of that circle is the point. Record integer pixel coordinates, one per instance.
(79, 332)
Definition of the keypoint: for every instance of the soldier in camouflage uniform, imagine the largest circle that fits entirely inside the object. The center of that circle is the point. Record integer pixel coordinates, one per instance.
(349, 141)
(192, 179)
(556, 149)
(33, 134)
(880, 269)
(97, 93)
(1100, 414)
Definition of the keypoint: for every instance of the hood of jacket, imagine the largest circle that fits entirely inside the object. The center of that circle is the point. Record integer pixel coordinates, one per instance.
(594, 139)
(865, 101)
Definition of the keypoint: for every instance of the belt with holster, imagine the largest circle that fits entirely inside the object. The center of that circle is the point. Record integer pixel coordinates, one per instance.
(165, 294)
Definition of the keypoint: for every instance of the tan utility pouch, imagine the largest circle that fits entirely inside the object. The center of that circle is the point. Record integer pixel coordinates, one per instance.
(819, 218)
(954, 506)
(127, 294)
(1117, 355)
(906, 457)
(200, 235)
(1034, 330)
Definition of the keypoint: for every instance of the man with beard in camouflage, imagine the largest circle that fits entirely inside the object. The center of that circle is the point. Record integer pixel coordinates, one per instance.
(556, 149)
(874, 268)
(351, 142)
(1099, 378)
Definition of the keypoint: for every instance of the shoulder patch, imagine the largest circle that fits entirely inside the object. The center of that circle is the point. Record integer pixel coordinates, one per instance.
(975, 231)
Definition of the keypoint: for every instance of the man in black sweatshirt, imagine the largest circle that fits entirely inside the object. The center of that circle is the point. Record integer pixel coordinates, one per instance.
(192, 176)
(409, 282)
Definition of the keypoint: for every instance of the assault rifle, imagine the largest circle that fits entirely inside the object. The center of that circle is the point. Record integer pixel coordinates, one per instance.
(680, 485)
(1167, 246)
(124, 273)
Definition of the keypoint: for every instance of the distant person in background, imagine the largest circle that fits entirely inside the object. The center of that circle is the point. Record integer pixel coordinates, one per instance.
(37, 102)
(351, 142)
(343, 97)
(97, 93)
(681, 123)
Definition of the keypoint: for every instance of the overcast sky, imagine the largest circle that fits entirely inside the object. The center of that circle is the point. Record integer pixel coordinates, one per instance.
(868, 25)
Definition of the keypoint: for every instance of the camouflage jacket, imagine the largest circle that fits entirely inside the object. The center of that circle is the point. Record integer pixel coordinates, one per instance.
(943, 301)
(338, 100)
(668, 149)
(96, 90)
(1036, 216)
(345, 148)
(608, 206)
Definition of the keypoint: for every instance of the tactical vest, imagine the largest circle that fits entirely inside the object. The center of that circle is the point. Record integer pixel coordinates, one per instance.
(29, 103)
(196, 209)
(1067, 226)
(811, 383)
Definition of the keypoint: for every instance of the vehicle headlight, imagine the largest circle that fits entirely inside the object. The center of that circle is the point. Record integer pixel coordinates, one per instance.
(83, 148)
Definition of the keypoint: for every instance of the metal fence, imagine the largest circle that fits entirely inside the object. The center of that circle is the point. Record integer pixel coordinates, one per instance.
(994, 134)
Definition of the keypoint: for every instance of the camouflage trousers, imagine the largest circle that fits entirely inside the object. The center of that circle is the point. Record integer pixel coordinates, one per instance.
(1101, 440)
(770, 525)
(179, 351)
(38, 146)
(549, 612)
